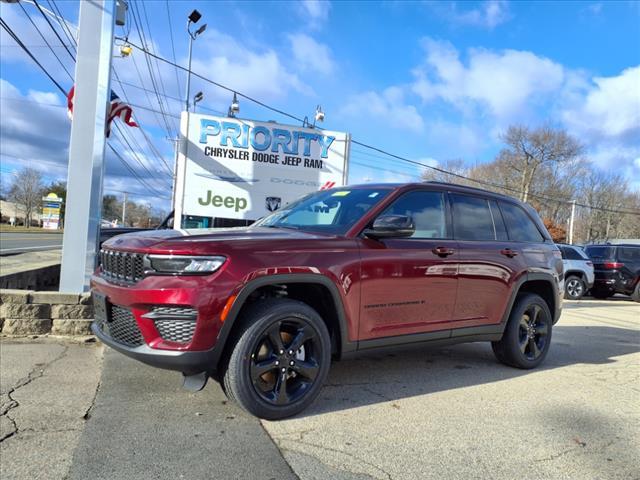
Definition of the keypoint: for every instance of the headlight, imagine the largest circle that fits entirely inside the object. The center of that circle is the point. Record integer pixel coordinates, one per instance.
(184, 264)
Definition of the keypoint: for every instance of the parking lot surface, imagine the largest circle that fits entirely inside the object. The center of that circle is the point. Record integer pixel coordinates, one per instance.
(428, 413)
(455, 413)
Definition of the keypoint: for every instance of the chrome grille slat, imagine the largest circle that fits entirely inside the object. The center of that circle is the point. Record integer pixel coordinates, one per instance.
(122, 267)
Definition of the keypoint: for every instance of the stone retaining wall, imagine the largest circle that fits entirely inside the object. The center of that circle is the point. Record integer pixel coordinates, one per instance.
(27, 312)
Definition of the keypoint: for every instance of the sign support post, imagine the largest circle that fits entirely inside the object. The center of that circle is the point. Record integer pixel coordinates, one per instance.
(86, 147)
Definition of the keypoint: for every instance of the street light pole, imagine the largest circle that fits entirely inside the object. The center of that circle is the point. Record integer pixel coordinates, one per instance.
(181, 156)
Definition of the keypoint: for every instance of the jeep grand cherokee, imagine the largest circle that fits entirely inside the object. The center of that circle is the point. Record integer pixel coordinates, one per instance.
(263, 309)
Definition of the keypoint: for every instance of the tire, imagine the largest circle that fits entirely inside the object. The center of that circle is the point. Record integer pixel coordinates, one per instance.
(516, 348)
(574, 288)
(635, 296)
(270, 332)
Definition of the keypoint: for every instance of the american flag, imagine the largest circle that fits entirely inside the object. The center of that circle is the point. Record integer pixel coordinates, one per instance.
(117, 108)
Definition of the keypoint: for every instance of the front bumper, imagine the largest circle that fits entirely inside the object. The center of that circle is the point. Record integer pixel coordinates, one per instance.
(186, 362)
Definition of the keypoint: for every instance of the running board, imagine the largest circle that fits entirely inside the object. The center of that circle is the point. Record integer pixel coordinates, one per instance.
(196, 382)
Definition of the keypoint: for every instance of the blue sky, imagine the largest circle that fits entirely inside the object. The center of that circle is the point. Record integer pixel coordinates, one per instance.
(431, 81)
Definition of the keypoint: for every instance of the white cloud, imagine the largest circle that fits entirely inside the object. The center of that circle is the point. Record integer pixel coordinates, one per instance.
(315, 12)
(311, 55)
(388, 106)
(611, 107)
(502, 82)
(259, 74)
(488, 14)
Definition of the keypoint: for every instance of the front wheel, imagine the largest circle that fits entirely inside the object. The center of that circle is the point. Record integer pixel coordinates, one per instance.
(527, 336)
(573, 288)
(279, 363)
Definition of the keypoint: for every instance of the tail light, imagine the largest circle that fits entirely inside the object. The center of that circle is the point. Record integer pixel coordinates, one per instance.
(612, 265)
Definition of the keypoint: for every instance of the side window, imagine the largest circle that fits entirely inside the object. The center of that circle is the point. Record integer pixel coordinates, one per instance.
(498, 221)
(563, 252)
(629, 254)
(520, 227)
(573, 254)
(472, 218)
(427, 210)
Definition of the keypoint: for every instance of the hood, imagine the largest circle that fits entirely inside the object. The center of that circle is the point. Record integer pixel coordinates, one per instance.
(194, 239)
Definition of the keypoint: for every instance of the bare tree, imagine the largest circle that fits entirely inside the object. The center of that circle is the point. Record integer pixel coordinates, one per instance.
(456, 167)
(529, 150)
(27, 190)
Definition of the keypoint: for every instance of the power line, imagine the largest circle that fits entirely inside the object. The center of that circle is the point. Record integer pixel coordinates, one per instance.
(63, 23)
(173, 48)
(35, 2)
(46, 41)
(28, 52)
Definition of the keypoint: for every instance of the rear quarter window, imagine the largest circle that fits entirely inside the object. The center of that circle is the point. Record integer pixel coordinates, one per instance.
(519, 225)
(629, 254)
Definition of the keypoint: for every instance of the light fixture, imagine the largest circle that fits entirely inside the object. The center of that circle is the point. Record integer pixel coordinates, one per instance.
(234, 108)
(198, 97)
(200, 30)
(319, 115)
(195, 16)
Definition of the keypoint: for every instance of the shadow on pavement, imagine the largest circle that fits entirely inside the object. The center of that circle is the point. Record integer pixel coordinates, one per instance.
(413, 371)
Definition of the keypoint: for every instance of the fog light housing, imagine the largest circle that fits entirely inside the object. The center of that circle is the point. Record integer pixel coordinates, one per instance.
(184, 265)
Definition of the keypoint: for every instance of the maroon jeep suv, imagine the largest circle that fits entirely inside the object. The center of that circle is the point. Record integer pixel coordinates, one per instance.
(263, 309)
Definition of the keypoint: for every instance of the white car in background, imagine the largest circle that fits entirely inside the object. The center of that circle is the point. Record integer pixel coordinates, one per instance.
(578, 271)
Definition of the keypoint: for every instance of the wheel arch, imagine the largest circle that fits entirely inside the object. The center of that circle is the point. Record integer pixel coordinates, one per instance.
(575, 273)
(542, 284)
(315, 290)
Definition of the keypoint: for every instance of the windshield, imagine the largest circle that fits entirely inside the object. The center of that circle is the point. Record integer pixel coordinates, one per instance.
(327, 211)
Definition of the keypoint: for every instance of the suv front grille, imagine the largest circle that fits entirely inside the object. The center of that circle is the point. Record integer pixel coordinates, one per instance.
(122, 267)
(122, 327)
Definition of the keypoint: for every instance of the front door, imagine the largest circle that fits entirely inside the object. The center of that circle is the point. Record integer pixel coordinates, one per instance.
(408, 285)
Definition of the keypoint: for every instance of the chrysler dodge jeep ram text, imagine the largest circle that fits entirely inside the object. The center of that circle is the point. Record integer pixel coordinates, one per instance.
(263, 309)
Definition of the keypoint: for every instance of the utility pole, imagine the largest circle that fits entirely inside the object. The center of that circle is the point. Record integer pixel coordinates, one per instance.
(124, 209)
(573, 213)
(86, 147)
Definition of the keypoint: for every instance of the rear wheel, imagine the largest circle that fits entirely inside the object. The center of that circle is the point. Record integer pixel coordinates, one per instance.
(279, 363)
(635, 296)
(573, 288)
(527, 336)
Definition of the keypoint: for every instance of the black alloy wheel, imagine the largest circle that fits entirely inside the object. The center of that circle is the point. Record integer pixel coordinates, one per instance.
(284, 362)
(527, 335)
(279, 359)
(533, 332)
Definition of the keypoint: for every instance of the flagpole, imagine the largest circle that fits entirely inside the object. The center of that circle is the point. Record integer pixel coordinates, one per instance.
(86, 147)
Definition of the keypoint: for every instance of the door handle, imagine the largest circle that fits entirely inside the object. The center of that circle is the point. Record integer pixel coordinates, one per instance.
(507, 252)
(443, 251)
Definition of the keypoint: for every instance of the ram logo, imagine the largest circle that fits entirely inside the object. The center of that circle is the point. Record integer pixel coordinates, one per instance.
(273, 203)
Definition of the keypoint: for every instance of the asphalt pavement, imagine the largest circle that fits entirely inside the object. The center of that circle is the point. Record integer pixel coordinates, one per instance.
(17, 242)
(428, 413)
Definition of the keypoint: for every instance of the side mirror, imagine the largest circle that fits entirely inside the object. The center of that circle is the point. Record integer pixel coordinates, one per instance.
(391, 226)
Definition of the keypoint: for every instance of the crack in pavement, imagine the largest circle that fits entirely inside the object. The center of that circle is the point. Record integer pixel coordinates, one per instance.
(34, 374)
(334, 450)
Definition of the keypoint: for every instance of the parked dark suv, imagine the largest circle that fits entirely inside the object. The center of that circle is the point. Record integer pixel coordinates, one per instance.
(617, 270)
(263, 309)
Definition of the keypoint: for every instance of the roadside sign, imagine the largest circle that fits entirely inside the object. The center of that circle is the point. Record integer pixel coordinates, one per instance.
(51, 211)
(242, 169)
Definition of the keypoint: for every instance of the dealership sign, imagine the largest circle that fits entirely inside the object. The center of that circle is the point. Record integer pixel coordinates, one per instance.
(242, 169)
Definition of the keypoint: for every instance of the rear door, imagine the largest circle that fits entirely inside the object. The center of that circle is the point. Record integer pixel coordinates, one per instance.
(488, 261)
